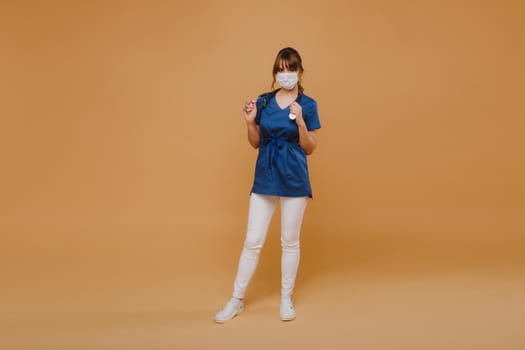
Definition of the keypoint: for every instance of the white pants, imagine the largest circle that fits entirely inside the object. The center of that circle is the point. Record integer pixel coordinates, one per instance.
(260, 214)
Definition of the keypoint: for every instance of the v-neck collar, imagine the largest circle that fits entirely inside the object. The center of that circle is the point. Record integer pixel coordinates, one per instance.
(277, 103)
(278, 106)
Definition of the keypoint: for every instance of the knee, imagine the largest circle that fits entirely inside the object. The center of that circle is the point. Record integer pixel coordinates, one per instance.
(290, 244)
(253, 244)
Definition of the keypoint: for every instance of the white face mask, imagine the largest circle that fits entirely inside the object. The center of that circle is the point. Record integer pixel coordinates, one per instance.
(287, 80)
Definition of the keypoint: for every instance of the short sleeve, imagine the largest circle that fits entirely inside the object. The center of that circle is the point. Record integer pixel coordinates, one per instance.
(258, 104)
(311, 117)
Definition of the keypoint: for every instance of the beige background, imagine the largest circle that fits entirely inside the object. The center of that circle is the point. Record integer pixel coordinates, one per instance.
(126, 172)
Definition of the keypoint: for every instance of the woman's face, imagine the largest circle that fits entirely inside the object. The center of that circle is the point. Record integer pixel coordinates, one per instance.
(283, 68)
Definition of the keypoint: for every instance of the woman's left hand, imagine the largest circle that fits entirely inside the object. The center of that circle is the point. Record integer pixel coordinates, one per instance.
(295, 108)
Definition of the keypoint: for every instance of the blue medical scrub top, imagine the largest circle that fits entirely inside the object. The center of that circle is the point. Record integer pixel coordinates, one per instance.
(281, 168)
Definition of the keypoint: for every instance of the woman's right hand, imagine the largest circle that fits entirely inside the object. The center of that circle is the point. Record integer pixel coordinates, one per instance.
(250, 111)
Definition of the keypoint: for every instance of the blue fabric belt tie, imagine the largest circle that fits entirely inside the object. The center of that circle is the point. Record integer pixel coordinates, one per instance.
(276, 151)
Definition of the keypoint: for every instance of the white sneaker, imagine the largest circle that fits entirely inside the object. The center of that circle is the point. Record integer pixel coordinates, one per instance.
(233, 308)
(287, 309)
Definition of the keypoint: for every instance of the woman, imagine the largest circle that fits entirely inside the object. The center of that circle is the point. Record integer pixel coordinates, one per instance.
(282, 125)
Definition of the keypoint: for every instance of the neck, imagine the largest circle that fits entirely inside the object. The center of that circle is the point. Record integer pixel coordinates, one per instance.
(293, 92)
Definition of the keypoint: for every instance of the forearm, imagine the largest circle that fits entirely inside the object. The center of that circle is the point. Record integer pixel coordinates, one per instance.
(253, 134)
(307, 139)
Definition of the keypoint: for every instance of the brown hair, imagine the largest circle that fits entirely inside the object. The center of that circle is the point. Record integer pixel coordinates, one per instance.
(292, 60)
